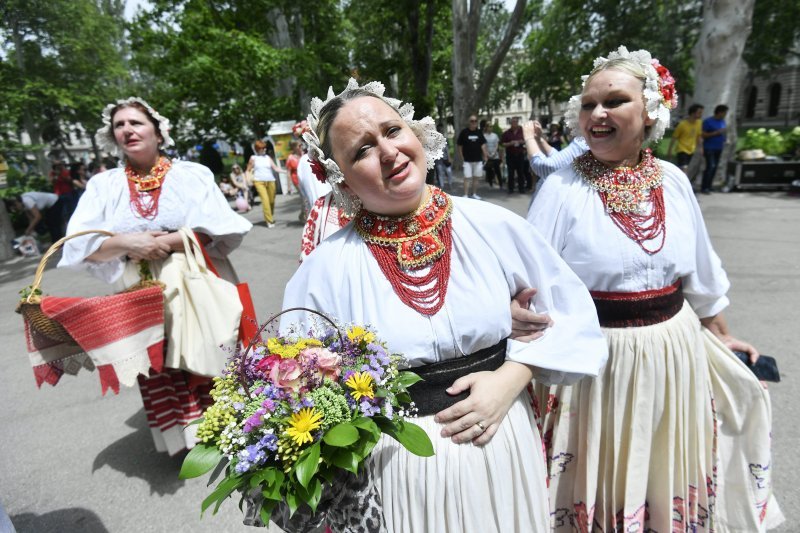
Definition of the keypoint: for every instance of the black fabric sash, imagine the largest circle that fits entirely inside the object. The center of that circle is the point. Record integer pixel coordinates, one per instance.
(430, 395)
(636, 309)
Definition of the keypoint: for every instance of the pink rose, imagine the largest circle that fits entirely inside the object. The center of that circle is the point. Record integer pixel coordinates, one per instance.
(285, 374)
(327, 362)
(266, 364)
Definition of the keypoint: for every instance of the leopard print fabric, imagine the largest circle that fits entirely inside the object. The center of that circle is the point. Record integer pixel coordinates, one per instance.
(351, 504)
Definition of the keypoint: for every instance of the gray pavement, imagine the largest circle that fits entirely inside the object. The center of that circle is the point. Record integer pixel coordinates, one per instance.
(73, 461)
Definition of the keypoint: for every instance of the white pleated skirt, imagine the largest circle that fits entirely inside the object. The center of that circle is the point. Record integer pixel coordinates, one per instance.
(500, 487)
(674, 435)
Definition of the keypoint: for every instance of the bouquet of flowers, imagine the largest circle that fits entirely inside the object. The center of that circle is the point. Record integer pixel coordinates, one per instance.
(297, 412)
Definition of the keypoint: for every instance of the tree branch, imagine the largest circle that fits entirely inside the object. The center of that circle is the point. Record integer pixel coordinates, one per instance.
(512, 30)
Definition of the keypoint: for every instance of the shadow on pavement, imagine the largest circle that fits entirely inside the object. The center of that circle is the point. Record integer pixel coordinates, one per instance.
(72, 520)
(135, 456)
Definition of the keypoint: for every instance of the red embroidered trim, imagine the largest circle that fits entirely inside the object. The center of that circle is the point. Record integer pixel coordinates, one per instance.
(412, 243)
(640, 295)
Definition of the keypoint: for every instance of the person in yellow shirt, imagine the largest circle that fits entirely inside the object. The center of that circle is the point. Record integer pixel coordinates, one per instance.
(688, 137)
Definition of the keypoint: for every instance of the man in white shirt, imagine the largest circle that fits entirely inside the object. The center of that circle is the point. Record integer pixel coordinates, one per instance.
(39, 207)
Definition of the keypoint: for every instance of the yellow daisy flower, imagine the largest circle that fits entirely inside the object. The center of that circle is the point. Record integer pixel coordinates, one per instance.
(302, 423)
(357, 333)
(361, 383)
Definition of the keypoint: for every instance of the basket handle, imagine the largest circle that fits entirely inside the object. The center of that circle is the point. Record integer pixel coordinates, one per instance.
(55, 247)
(242, 377)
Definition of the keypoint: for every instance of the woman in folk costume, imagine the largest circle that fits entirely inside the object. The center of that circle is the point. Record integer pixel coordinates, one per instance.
(143, 203)
(675, 433)
(434, 275)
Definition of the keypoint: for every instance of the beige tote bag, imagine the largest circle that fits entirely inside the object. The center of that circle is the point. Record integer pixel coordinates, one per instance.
(203, 312)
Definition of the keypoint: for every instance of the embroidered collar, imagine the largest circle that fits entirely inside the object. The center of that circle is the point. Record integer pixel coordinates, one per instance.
(415, 237)
(154, 177)
(627, 189)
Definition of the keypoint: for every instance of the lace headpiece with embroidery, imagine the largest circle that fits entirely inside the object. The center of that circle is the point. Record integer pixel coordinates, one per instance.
(105, 135)
(326, 169)
(659, 91)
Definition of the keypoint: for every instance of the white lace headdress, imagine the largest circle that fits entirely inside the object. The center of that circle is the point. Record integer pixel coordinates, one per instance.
(105, 135)
(326, 169)
(659, 90)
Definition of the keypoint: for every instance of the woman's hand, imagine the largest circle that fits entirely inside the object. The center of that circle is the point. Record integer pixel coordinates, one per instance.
(477, 418)
(719, 327)
(146, 245)
(527, 325)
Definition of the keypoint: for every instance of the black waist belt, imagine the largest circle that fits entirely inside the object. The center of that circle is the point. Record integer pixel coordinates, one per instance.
(635, 309)
(430, 396)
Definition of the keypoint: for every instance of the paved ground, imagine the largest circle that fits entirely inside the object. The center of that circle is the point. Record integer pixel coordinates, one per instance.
(73, 461)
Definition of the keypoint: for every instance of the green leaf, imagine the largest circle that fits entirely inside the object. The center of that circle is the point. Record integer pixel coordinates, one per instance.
(217, 471)
(273, 489)
(368, 425)
(223, 490)
(347, 460)
(266, 511)
(291, 501)
(407, 378)
(312, 494)
(307, 466)
(412, 437)
(193, 422)
(199, 460)
(341, 435)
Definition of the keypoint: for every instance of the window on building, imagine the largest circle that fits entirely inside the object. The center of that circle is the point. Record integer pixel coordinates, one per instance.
(752, 98)
(508, 121)
(519, 103)
(774, 99)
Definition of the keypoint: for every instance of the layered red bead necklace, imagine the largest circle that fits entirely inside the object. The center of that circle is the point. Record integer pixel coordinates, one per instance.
(627, 192)
(146, 190)
(402, 245)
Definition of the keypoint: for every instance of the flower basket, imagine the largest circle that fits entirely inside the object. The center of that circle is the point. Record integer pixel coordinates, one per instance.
(296, 417)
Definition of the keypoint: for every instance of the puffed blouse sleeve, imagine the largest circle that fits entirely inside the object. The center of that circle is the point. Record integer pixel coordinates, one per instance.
(95, 210)
(574, 346)
(209, 211)
(706, 284)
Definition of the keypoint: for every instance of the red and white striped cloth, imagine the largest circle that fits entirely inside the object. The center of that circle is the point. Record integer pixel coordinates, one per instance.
(121, 335)
(173, 399)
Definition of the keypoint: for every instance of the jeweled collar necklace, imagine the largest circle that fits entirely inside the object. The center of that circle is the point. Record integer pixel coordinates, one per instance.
(411, 243)
(627, 194)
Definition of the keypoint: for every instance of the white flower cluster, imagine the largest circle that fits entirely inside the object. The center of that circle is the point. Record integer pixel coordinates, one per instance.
(654, 101)
(432, 141)
(105, 135)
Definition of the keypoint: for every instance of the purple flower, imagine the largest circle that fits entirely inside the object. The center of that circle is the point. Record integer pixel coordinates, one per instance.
(367, 409)
(254, 421)
(268, 405)
(269, 441)
(238, 406)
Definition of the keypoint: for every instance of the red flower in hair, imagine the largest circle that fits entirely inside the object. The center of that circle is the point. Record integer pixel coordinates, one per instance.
(666, 84)
(318, 170)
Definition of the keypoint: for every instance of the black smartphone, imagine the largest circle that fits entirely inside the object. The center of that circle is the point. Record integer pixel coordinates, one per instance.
(765, 369)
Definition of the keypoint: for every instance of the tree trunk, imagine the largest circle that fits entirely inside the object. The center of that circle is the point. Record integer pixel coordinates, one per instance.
(34, 132)
(466, 23)
(6, 234)
(281, 38)
(719, 66)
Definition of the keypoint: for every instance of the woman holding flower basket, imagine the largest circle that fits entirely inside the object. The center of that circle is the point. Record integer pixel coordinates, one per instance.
(434, 276)
(674, 435)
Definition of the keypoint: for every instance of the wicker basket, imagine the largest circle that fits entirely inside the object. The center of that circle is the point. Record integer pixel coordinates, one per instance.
(30, 306)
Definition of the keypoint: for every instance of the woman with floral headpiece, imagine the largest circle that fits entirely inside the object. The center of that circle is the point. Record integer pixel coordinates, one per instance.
(675, 433)
(143, 204)
(434, 275)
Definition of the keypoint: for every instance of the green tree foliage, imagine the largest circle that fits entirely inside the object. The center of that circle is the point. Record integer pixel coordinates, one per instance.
(406, 44)
(60, 63)
(211, 65)
(775, 36)
(573, 32)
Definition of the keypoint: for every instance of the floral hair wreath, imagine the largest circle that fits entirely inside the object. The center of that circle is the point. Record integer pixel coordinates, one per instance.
(105, 135)
(325, 168)
(659, 91)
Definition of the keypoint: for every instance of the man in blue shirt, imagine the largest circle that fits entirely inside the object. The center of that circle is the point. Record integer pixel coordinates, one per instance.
(714, 129)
